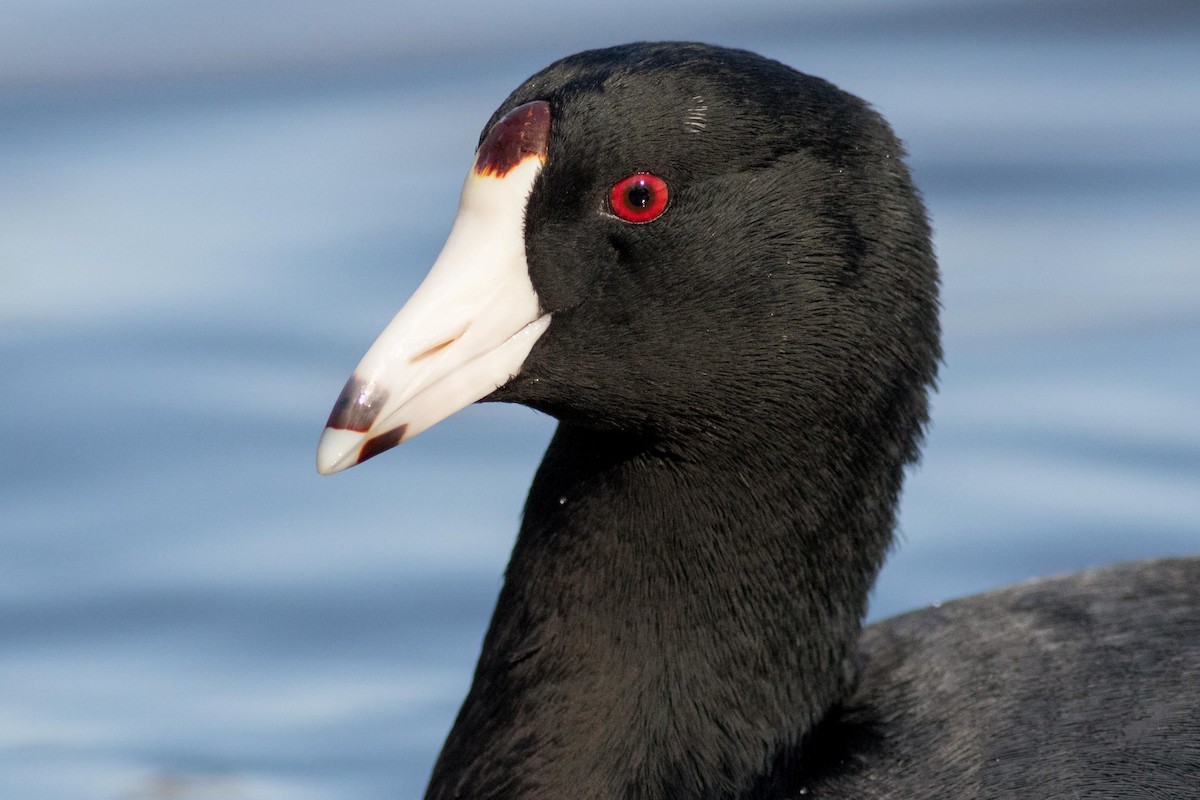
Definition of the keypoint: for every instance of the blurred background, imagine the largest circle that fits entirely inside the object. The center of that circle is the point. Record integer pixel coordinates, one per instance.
(209, 209)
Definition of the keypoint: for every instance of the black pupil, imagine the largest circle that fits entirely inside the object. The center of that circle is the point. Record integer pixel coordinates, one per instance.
(639, 195)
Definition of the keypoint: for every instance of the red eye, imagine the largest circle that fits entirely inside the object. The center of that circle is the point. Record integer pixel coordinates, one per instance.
(641, 197)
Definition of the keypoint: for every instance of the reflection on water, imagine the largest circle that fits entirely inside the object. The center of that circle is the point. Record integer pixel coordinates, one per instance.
(190, 269)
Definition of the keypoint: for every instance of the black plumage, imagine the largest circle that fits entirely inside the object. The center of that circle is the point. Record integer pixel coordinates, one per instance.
(740, 385)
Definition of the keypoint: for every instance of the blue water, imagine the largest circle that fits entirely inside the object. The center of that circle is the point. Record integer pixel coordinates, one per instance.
(207, 211)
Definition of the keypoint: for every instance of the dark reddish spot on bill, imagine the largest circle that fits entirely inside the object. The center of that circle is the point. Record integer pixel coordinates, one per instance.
(357, 407)
(380, 443)
(522, 132)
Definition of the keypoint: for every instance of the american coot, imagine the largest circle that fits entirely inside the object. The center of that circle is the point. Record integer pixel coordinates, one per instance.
(715, 273)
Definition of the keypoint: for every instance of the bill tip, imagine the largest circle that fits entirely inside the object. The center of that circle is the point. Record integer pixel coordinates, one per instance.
(337, 450)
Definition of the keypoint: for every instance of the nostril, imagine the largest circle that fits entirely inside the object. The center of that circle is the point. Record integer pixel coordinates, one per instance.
(434, 350)
(441, 345)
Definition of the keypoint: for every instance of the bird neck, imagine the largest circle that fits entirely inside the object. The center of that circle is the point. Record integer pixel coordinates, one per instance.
(669, 626)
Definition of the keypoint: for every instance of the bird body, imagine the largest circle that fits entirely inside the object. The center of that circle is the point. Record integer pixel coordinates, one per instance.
(716, 273)
(1085, 685)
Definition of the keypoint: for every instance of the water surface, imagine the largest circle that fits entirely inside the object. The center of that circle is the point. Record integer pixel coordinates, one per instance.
(208, 212)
